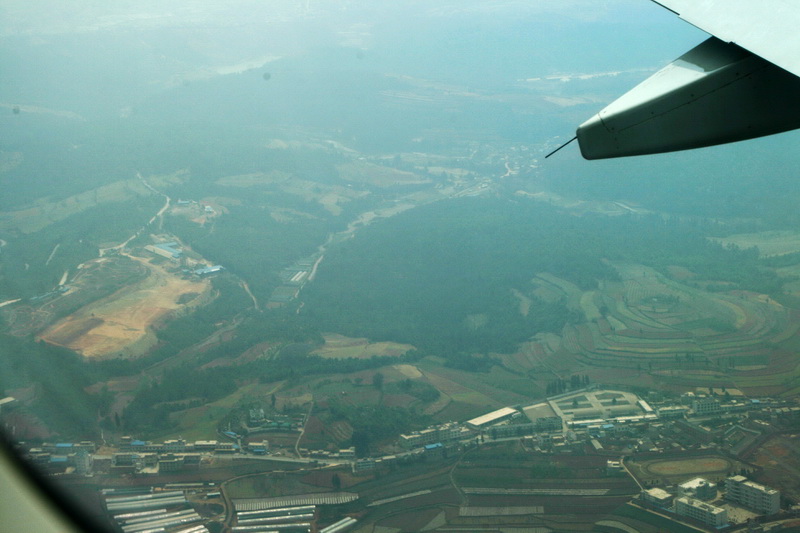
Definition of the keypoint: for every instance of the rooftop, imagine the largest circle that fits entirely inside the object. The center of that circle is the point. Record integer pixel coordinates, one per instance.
(701, 505)
(661, 494)
(694, 483)
(492, 417)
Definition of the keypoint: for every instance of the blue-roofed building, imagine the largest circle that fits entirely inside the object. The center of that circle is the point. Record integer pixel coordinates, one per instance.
(170, 250)
(434, 450)
(57, 464)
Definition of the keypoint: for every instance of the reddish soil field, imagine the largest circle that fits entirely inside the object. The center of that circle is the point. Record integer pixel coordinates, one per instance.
(780, 459)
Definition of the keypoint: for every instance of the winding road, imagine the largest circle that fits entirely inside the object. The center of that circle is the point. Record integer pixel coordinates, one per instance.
(167, 203)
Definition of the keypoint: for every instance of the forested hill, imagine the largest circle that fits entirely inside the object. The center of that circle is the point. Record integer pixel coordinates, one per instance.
(443, 277)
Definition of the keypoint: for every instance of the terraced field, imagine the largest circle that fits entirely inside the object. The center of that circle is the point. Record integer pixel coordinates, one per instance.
(649, 322)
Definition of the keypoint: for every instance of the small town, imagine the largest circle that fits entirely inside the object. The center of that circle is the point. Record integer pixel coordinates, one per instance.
(688, 456)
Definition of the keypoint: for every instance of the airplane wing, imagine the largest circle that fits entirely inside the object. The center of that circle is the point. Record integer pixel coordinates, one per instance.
(765, 28)
(739, 84)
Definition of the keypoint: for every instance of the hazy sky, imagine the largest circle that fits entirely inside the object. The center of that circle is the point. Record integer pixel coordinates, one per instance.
(226, 34)
(26, 17)
(100, 58)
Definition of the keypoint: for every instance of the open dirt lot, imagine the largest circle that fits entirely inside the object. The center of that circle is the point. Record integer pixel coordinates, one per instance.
(120, 323)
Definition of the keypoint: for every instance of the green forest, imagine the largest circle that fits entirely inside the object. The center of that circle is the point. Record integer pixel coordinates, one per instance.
(30, 264)
(441, 276)
(251, 244)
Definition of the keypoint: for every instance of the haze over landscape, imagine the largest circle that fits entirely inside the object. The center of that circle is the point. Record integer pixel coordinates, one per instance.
(327, 224)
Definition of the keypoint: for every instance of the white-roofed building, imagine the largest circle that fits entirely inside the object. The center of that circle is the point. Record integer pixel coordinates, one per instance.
(698, 488)
(739, 489)
(492, 418)
(701, 511)
(657, 496)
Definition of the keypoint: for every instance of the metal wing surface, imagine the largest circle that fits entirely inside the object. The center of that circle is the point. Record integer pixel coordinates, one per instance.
(767, 28)
(740, 84)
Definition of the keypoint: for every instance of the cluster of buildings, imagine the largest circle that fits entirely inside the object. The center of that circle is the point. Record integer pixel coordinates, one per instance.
(133, 456)
(505, 422)
(292, 280)
(295, 518)
(174, 252)
(147, 463)
(149, 509)
(587, 411)
(257, 421)
(290, 519)
(207, 209)
(605, 421)
(64, 456)
(170, 250)
(129, 444)
(368, 464)
(431, 435)
(141, 512)
(620, 421)
(697, 499)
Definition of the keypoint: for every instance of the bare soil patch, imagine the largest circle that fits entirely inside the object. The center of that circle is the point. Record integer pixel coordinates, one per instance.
(780, 459)
(121, 323)
(409, 371)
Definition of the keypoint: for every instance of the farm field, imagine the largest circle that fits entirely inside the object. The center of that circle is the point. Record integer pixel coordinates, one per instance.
(120, 323)
(497, 486)
(768, 242)
(270, 486)
(660, 325)
(341, 347)
(377, 175)
(498, 387)
(331, 197)
(46, 212)
(201, 423)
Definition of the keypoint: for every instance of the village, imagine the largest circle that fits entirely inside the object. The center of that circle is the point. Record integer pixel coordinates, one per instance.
(688, 460)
